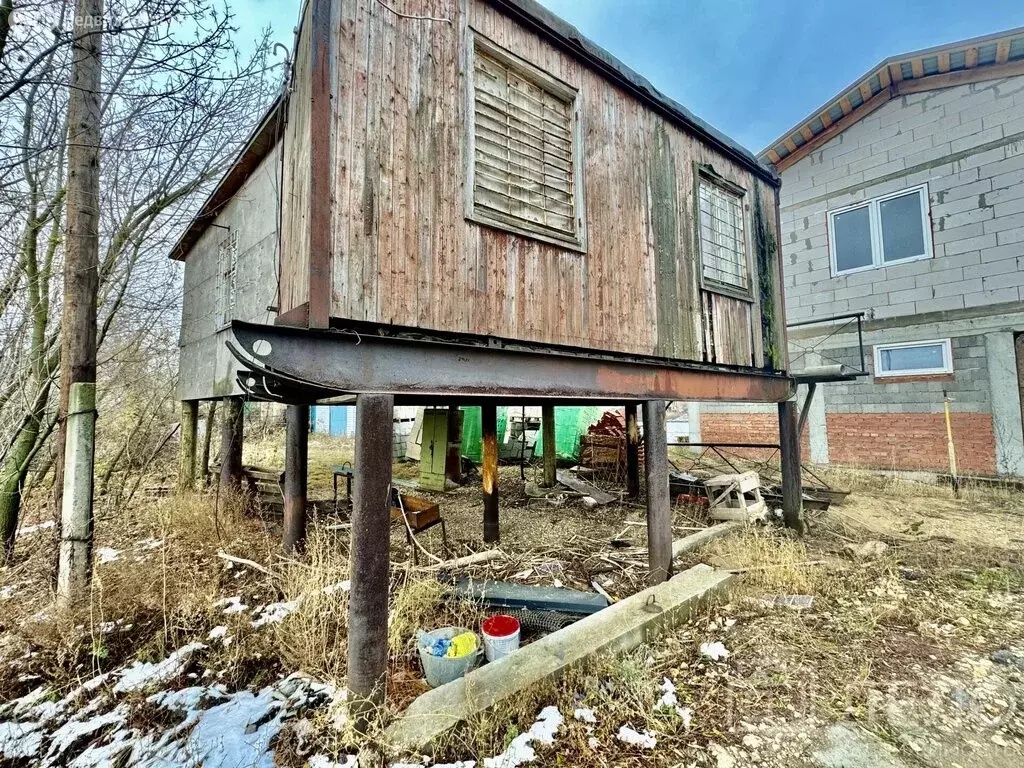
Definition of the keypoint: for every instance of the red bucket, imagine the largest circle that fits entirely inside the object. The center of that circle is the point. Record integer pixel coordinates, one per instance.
(501, 636)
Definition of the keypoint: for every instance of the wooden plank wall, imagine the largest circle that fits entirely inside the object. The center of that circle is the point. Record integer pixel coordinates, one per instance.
(403, 252)
(295, 181)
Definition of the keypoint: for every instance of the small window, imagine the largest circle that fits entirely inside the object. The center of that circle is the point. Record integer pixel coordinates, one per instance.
(914, 358)
(227, 257)
(525, 162)
(883, 231)
(723, 248)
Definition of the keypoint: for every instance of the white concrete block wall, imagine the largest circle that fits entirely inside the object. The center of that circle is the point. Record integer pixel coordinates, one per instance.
(967, 144)
(206, 367)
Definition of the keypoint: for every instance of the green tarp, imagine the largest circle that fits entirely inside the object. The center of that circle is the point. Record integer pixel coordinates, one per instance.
(570, 423)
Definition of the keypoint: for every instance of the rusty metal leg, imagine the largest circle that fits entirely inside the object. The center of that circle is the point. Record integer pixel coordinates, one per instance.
(632, 452)
(489, 470)
(369, 556)
(792, 490)
(296, 456)
(231, 446)
(547, 420)
(659, 509)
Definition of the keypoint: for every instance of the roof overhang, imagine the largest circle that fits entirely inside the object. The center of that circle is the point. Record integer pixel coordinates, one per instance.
(967, 61)
(260, 143)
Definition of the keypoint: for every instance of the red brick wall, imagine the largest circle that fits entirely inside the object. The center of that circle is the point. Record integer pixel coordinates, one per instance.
(877, 440)
(911, 441)
(744, 428)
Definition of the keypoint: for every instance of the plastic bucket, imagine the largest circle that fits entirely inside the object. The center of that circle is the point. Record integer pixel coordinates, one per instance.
(440, 669)
(501, 636)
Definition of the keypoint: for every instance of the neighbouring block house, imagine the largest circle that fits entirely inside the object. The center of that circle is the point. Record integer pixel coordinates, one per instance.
(903, 199)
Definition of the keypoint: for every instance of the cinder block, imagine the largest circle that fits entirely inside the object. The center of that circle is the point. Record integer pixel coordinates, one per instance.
(938, 275)
(959, 288)
(976, 139)
(981, 298)
(959, 239)
(968, 217)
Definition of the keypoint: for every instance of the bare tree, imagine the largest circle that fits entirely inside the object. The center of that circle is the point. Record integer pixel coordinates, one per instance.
(176, 101)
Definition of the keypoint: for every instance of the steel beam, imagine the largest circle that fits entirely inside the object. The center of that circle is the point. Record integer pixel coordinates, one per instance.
(347, 362)
(632, 452)
(659, 506)
(369, 555)
(296, 460)
(489, 470)
(792, 490)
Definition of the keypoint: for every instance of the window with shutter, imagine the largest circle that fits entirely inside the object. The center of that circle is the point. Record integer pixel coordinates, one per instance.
(723, 244)
(525, 158)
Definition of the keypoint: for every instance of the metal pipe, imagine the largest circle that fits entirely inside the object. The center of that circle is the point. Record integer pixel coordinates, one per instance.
(231, 429)
(489, 471)
(547, 420)
(632, 452)
(806, 409)
(369, 556)
(792, 490)
(296, 458)
(659, 509)
(189, 438)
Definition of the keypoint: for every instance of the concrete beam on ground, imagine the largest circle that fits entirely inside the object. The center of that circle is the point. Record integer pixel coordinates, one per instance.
(620, 627)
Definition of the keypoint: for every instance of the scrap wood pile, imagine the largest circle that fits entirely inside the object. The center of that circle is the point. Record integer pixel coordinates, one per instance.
(603, 448)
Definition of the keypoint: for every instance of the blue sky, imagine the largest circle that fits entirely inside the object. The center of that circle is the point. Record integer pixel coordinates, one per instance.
(751, 69)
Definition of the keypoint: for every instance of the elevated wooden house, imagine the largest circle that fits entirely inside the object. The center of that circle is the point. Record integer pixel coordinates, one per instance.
(462, 200)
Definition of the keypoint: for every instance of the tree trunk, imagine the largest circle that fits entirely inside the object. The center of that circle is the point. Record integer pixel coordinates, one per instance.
(12, 477)
(81, 284)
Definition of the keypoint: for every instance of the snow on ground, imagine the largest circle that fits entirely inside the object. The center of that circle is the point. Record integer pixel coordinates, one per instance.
(217, 728)
(644, 740)
(30, 529)
(521, 750)
(274, 613)
(144, 674)
(107, 555)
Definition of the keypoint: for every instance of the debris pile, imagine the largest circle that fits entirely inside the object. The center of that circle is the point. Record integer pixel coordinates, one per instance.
(603, 448)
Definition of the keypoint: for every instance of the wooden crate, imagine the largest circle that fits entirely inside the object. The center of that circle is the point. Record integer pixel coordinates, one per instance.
(419, 512)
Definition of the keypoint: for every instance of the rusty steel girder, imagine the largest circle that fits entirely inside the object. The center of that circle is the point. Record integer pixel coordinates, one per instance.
(420, 369)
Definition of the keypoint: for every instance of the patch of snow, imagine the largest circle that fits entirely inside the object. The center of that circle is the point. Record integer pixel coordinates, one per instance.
(585, 715)
(323, 761)
(593, 742)
(106, 755)
(715, 651)
(645, 740)
(75, 730)
(220, 632)
(669, 701)
(107, 555)
(144, 674)
(233, 604)
(26, 702)
(275, 612)
(20, 740)
(520, 750)
(341, 586)
(7, 592)
(150, 544)
(30, 529)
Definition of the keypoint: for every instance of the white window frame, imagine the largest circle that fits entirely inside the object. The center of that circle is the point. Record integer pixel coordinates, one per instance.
(560, 90)
(947, 356)
(875, 223)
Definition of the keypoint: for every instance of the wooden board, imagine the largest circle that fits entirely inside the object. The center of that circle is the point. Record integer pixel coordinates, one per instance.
(568, 479)
(403, 249)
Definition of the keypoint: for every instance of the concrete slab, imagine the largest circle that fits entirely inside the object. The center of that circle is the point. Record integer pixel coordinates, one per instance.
(620, 627)
(699, 539)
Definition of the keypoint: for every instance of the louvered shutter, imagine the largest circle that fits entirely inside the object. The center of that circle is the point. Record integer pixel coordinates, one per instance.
(523, 152)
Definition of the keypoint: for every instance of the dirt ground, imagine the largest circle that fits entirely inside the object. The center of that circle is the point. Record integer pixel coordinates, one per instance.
(910, 654)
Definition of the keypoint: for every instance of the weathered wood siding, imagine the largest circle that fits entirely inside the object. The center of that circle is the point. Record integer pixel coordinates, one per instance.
(403, 252)
(296, 188)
